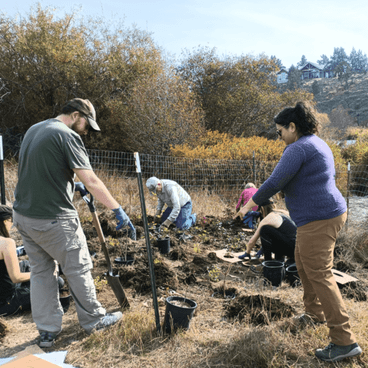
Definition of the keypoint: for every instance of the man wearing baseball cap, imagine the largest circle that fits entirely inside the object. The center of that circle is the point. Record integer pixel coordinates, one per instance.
(51, 154)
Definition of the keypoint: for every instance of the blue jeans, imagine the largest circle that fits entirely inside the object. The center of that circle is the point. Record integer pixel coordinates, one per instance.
(185, 218)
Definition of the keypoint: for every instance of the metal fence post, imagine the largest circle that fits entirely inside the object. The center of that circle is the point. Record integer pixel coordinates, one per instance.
(254, 169)
(2, 184)
(347, 196)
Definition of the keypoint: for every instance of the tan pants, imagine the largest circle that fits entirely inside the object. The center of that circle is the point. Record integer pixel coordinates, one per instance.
(64, 241)
(314, 249)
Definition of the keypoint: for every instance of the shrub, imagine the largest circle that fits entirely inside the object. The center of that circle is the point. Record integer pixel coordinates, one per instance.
(223, 146)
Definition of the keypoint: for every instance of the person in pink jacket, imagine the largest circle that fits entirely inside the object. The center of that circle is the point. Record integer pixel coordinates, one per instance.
(246, 195)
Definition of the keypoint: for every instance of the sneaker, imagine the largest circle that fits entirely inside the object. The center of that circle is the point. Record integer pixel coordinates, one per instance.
(307, 320)
(47, 339)
(334, 353)
(108, 320)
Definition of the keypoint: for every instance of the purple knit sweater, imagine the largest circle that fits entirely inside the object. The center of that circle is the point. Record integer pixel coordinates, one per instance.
(306, 174)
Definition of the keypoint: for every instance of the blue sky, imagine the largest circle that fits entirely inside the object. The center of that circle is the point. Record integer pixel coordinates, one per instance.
(284, 28)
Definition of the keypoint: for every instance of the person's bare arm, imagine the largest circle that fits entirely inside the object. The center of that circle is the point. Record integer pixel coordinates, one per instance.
(245, 209)
(9, 254)
(96, 187)
(272, 219)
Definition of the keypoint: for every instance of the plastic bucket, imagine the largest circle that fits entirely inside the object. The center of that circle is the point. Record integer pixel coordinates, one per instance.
(64, 299)
(292, 275)
(164, 245)
(179, 311)
(128, 261)
(274, 272)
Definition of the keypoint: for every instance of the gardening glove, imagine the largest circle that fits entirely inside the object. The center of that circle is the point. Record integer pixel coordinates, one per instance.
(167, 223)
(259, 253)
(79, 187)
(250, 218)
(245, 255)
(131, 231)
(158, 213)
(122, 217)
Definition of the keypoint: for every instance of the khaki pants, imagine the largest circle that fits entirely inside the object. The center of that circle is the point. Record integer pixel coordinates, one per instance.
(314, 250)
(63, 241)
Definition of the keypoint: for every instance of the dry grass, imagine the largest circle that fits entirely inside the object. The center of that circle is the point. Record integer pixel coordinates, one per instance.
(212, 340)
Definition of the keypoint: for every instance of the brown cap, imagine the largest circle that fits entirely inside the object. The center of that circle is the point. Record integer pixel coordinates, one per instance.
(86, 108)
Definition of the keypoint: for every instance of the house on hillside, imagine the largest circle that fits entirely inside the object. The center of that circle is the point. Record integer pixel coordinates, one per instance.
(313, 70)
(308, 71)
(282, 76)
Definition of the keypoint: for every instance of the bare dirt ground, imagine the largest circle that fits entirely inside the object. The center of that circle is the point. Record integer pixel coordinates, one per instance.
(191, 269)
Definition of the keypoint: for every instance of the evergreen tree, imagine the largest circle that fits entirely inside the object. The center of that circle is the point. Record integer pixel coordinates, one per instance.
(323, 61)
(294, 78)
(358, 61)
(302, 62)
(339, 56)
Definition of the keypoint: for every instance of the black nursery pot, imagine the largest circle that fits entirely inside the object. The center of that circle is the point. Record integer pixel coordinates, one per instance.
(292, 275)
(128, 261)
(177, 316)
(274, 272)
(65, 299)
(164, 245)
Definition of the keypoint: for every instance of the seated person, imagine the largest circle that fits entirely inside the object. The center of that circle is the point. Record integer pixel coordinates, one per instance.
(246, 195)
(14, 296)
(277, 232)
(178, 201)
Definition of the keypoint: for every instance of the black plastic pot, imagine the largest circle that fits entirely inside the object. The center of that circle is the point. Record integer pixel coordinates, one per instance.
(164, 245)
(128, 261)
(178, 316)
(65, 300)
(292, 275)
(274, 272)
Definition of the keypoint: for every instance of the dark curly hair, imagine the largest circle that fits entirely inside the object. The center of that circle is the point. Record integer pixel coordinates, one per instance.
(302, 115)
(6, 213)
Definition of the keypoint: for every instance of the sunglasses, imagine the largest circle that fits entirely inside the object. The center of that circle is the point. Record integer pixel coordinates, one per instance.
(279, 132)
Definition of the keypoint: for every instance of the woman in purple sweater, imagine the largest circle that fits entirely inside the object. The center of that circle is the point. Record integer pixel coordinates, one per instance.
(306, 175)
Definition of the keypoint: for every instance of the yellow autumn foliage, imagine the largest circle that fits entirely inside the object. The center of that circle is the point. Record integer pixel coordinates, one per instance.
(223, 146)
(357, 153)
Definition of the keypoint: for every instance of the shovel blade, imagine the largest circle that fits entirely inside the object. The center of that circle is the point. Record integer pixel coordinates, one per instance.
(118, 290)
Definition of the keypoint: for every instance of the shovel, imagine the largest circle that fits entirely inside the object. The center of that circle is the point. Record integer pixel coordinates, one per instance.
(112, 279)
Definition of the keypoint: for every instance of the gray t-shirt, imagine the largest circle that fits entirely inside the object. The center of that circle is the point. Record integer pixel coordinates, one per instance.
(49, 153)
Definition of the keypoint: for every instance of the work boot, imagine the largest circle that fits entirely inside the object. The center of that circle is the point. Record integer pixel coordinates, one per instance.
(334, 353)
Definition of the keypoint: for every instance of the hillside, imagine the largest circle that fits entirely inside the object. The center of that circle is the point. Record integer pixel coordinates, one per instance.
(351, 95)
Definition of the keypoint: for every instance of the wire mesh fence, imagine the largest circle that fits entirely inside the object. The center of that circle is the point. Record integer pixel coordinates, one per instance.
(228, 177)
(192, 174)
(225, 177)
(214, 175)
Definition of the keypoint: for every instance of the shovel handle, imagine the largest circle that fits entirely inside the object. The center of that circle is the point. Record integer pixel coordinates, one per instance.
(90, 202)
(97, 225)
